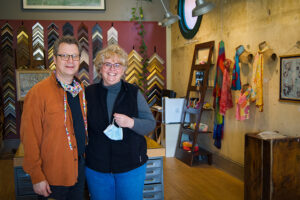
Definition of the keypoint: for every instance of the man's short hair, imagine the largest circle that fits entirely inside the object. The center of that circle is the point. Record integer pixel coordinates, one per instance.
(68, 39)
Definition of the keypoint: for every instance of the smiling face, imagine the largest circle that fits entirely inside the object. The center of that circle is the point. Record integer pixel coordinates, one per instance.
(66, 69)
(111, 75)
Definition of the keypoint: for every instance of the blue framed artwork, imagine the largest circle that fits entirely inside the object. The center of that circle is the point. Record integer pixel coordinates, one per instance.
(64, 5)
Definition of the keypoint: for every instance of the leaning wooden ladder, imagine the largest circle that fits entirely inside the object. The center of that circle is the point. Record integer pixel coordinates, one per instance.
(198, 87)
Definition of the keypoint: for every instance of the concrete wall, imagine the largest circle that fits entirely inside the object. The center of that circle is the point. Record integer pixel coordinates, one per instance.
(248, 23)
(116, 10)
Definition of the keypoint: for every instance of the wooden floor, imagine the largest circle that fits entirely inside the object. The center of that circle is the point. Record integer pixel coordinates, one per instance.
(202, 182)
(7, 186)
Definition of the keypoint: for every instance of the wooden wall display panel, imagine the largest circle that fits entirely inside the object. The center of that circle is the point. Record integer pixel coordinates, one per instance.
(38, 42)
(155, 79)
(8, 80)
(154, 95)
(52, 37)
(272, 168)
(83, 38)
(37, 49)
(22, 51)
(112, 35)
(97, 39)
(134, 71)
(68, 29)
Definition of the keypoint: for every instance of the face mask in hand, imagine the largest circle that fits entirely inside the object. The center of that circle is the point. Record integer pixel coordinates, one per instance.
(113, 132)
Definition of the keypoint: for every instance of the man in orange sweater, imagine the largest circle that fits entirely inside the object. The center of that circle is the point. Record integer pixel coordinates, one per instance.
(54, 129)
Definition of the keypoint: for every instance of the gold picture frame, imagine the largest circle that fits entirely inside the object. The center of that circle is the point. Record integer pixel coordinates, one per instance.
(64, 5)
(26, 79)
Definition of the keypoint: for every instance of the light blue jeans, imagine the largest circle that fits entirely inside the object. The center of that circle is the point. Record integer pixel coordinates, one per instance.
(120, 186)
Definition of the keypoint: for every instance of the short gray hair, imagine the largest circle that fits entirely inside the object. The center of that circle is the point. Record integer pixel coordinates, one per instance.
(108, 52)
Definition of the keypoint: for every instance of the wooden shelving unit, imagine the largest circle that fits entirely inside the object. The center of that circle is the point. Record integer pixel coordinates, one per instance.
(197, 86)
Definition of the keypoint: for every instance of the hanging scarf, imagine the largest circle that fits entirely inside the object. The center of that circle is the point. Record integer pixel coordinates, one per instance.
(219, 82)
(218, 133)
(236, 79)
(243, 104)
(257, 80)
(219, 119)
(74, 91)
(226, 97)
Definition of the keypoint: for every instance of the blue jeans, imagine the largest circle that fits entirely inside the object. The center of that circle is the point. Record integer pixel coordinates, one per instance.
(120, 186)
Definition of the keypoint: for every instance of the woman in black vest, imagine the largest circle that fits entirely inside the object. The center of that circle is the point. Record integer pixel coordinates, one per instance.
(118, 119)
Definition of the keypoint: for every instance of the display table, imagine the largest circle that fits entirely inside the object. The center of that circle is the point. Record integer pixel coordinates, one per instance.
(153, 189)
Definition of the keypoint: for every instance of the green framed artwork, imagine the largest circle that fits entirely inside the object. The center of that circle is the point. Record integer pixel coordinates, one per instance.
(65, 4)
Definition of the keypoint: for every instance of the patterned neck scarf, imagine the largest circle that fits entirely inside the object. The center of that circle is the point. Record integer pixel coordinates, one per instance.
(74, 91)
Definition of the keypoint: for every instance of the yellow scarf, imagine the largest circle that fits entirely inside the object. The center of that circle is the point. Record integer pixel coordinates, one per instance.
(257, 80)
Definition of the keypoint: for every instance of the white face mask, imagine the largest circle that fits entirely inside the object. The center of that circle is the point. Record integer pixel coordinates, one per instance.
(113, 132)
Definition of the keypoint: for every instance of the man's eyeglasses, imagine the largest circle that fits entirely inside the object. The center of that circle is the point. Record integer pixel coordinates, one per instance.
(110, 65)
(66, 57)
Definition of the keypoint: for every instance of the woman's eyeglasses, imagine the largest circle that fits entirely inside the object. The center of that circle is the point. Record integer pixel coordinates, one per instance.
(66, 57)
(110, 65)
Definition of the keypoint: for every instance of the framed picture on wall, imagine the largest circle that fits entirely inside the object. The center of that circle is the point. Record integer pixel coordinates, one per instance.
(26, 79)
(65, 5)
(290, 78)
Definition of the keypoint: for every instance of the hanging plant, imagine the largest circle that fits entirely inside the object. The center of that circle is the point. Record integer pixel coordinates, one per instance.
(137, 15)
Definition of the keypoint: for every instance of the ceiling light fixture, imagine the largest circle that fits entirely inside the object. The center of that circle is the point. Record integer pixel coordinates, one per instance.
(169, 17)
(202, 7)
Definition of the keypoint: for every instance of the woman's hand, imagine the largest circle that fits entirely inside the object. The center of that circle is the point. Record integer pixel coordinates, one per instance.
(123, 120)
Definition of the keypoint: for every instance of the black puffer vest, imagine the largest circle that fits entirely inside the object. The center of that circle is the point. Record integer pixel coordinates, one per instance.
(103, 154)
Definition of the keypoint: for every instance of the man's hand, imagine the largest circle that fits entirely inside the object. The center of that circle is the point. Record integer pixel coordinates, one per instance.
(42, 188)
